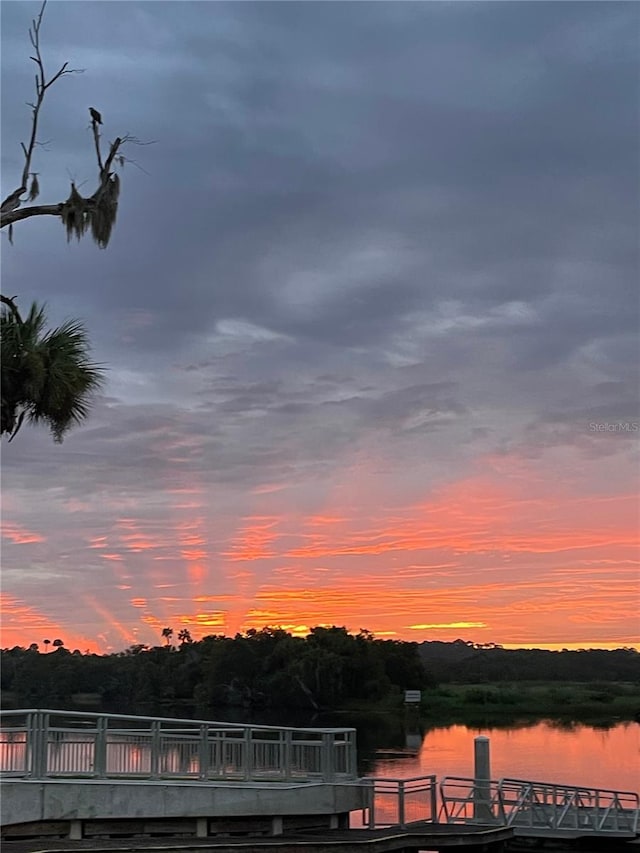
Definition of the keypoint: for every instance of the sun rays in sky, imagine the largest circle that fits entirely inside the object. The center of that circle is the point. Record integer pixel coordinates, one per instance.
(505, 555)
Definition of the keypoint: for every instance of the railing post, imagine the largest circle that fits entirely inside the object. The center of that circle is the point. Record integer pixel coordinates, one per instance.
(372, 805)
(156, 741)
(218, 752)
(287, 758)
(248, 753)
(100, 749)
(28, 746)
(203, 752)
(353, 755)
(433, 791)
(401, 804)
(29, 756)
(328, 767)
(40, 736)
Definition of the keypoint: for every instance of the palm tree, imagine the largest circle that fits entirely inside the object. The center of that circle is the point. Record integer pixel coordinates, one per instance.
(184, 635)
(47, 376)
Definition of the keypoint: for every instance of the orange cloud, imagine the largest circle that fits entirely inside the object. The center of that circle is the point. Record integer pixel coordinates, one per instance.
(254, 540)
(428, 627)
(23, 625)
(20, 535)
(133, 539)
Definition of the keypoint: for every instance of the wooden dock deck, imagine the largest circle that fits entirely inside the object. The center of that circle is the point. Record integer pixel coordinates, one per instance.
(434, 837)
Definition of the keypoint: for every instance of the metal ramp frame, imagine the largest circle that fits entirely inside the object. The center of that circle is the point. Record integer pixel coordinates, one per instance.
(540, 808)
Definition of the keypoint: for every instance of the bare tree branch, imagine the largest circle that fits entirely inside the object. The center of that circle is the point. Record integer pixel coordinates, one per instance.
(9, 301)
(28, 212)
(96, 212)
(42, 84)
(115, 145)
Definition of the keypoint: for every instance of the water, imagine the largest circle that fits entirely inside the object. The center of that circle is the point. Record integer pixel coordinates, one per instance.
(576, 754)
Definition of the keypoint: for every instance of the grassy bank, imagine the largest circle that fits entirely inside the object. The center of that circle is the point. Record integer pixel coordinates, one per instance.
(599, 701)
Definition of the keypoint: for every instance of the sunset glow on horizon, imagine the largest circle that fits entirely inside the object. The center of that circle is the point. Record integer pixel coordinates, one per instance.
(503, 556)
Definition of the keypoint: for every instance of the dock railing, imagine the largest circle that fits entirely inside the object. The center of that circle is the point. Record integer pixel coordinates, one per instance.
(398, 802)
(467, 800)
(41, 744)
(567, 807)
(539, 807)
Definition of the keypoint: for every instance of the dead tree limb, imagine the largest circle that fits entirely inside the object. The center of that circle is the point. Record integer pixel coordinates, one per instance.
(9, 301)
(42, 84)
(95, 213)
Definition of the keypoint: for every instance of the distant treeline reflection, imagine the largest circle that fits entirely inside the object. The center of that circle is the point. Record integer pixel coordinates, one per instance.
(271, 671)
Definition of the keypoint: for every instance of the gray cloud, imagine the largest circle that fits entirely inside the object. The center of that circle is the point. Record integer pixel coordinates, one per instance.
(405, 226)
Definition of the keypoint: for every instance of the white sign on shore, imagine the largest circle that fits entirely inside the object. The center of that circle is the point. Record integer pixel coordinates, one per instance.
(412, 696)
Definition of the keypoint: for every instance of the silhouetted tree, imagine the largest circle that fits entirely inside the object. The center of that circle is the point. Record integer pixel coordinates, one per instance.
(184, 636)
(47, 375)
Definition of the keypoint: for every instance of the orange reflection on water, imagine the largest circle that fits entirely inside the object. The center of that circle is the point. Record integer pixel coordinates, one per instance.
(541, 752)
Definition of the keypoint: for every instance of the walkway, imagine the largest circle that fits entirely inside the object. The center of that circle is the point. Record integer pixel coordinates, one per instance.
(411, 840)
(541, 809)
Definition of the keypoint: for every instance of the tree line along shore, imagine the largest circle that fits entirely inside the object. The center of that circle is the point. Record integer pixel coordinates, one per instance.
(328, 670)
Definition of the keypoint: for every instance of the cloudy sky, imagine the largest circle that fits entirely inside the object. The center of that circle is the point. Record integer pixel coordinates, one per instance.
(370, 316)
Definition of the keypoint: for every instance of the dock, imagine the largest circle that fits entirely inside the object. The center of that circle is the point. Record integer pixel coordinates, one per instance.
(80, 781)
(411, 840)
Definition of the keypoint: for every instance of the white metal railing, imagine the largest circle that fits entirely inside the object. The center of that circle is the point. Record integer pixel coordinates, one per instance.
(539, 807)
(566, 807)
(467, 800)
(398, 802)
(38, 744)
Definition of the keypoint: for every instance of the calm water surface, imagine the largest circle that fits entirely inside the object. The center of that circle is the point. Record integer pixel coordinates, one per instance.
(545, 751)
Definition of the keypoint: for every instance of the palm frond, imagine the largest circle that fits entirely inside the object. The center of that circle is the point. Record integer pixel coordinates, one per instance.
(46, 376)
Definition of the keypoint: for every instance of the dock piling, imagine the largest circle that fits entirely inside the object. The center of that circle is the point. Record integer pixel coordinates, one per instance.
(482, 776)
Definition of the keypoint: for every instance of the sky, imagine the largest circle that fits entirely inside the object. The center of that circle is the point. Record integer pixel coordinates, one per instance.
(369, 316)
